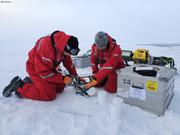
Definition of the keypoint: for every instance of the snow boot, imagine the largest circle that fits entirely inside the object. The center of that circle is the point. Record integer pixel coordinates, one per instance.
(15, 83)
(27, 79)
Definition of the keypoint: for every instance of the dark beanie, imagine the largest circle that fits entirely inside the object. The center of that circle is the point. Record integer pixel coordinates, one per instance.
(72, 43)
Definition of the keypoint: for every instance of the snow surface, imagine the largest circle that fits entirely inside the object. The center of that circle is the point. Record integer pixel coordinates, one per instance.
(22, 22)
(71, 114)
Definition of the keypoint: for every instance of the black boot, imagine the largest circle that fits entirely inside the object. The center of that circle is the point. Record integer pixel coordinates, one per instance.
(27, 79)
(15, 83)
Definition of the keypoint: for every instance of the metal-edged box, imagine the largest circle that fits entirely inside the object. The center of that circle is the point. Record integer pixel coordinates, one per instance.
(81, 61)
(151, 93)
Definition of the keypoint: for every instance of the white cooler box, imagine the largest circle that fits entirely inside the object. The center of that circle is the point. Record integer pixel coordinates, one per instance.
(81, 61)
(152, 93)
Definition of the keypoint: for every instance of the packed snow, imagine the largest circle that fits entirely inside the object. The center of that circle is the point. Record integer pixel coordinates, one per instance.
(71, 114)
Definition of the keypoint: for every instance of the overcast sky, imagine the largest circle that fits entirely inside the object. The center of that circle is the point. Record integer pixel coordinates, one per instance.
(128, 21)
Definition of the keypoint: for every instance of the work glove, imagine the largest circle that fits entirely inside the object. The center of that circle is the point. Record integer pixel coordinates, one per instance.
(90, 84)
(67, 79)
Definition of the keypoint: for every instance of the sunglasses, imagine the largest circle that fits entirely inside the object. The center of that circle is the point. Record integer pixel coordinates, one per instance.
(72, 51)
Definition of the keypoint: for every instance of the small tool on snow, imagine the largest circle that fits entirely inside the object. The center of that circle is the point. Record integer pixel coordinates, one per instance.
(79, 85)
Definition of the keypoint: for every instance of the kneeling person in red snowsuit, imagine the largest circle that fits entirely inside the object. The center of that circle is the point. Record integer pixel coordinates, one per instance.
(105, 60)
(46, 80)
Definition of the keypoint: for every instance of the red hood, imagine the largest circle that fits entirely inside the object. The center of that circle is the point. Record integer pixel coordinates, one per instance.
(110, 42)
(61, 40)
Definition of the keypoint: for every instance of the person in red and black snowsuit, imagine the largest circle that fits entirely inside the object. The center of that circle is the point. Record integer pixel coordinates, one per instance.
(105, 60)
(46, 79)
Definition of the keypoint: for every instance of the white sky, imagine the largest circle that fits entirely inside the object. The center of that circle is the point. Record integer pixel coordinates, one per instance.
(128, 21)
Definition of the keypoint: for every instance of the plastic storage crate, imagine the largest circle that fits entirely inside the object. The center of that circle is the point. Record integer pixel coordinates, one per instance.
(151, 93)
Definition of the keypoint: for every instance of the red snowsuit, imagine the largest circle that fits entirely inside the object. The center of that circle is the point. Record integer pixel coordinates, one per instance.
(104, 64)
(41, 67)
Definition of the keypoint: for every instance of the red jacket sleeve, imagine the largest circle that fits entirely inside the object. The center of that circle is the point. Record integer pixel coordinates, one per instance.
(44, 64)
(68, 64)
(94, 64)
(110, 64)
